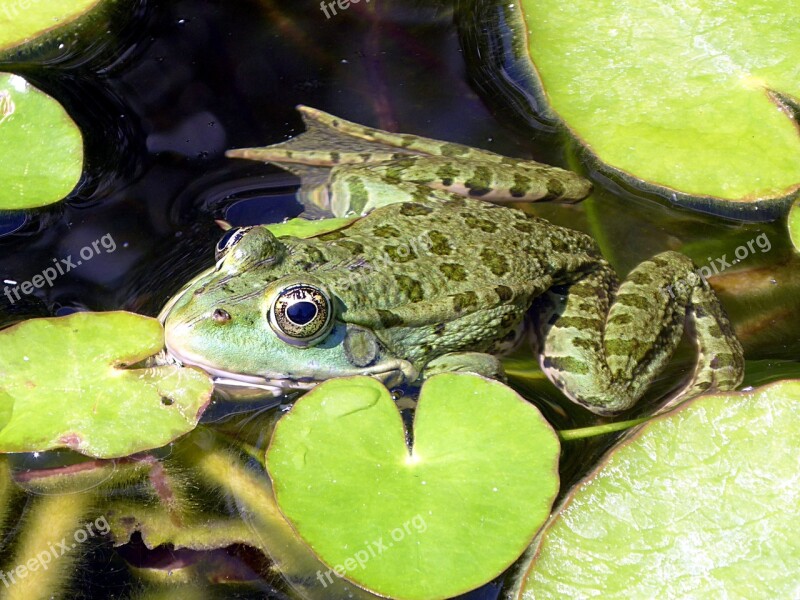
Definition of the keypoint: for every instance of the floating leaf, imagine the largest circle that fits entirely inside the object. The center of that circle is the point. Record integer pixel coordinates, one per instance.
(691, 100)
(23, 20)
(463, 502)
(702, 502)
(41, 148)
(63, 385)
(304, 228)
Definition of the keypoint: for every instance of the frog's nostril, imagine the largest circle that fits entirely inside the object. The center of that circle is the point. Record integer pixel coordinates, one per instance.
(221, 316)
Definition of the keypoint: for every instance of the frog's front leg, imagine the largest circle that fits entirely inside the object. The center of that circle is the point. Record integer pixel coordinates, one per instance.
(466, 362)
(603, 347)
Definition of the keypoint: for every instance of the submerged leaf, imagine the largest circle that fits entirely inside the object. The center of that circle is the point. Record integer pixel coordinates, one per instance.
(701, 502)
(63, 384)
(41, 148)
(464, 502)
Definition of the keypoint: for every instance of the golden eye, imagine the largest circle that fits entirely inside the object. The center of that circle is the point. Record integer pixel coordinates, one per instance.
(301, 314)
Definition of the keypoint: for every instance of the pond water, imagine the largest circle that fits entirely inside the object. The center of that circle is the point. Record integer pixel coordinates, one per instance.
(200, 77)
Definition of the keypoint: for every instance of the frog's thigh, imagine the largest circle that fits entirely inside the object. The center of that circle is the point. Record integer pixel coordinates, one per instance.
(605, 355)
(466, 362)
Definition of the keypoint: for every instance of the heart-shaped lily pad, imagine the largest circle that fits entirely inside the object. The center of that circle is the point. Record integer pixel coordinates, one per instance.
(63, 385)
(432, 522)
(23, 20)
(691, 100)
(41, 148)
(702, 502)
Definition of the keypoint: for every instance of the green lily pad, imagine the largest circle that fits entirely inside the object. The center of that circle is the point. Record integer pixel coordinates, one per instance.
(63, 384)
(23, 20)
(305, 228)
(691, 100)
(701, 502)
(41, 148)
(464, 501)
(794, 225)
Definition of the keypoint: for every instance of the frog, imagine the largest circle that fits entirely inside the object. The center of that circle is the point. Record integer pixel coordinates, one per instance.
(433, 270)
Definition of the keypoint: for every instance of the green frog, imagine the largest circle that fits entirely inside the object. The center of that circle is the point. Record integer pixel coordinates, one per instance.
(428, 276)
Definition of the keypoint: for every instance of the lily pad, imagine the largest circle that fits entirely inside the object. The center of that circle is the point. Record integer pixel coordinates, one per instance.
(794, 225)
(23, 20)
(41, 148)
(63, 384)
(693, 100)
(305, 228)
(702, 502)
(464, 501)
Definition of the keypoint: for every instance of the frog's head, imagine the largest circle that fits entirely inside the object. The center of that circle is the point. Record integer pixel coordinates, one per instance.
(253, 321)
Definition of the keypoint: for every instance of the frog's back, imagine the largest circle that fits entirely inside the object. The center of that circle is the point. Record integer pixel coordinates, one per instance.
(472, 265)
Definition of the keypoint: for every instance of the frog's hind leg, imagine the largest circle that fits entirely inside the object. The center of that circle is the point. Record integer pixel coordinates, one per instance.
(330, 142)
(603, 347)
(361, 188)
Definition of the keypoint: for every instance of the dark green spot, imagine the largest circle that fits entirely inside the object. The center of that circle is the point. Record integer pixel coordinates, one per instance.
(447, 174)
(439, 243)
(454, 150)
(504, 292)
(478, 223)
(386, 231)
(619, 347)
(567, 364)
(410, 288)
(634, 300)
(521, 186)
(464, 301)
(400, 254)
(555, 189)
(620, 319)
(639, 278)
(480, 183)
(358, 194)
(355, 248)
(453, 271)
(409, 209)
(494, 261)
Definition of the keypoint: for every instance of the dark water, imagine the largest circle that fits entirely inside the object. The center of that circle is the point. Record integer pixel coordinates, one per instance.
(191, 79)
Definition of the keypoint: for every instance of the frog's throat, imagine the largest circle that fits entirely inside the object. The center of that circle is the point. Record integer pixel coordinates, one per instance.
(391, 373)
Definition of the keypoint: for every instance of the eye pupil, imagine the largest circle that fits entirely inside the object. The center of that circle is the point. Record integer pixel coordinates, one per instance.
(302, 312)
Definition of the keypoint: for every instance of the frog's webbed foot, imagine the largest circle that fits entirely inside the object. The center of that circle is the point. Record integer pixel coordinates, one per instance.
(604, 355)
(330, 142)
(466, 362)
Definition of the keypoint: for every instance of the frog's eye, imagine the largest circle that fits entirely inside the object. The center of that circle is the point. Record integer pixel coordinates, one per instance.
(301, 314)
(229, 240)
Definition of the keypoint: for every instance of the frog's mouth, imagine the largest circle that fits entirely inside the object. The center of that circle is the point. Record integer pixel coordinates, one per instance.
(244, 386)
